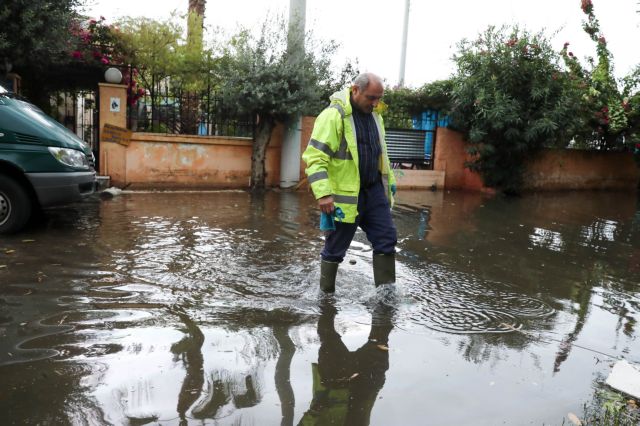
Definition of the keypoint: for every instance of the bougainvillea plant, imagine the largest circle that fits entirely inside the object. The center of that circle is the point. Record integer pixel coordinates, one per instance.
(98, 44)
(134, 90)
(610, 106)
(94, 42)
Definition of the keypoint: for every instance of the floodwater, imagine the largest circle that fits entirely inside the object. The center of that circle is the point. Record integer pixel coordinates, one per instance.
(203, 308)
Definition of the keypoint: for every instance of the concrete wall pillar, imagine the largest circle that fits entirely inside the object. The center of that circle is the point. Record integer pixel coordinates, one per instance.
(290, 154)
(113, 110)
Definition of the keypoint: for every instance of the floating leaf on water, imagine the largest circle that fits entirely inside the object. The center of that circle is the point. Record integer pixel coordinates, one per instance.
(9, 251)
(3, 266)
(28, 241)
(383, 347)
(509, 326)
(574, 419)
(354, 375)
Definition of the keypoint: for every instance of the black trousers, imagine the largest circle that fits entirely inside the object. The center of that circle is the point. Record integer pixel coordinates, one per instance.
(374, 218)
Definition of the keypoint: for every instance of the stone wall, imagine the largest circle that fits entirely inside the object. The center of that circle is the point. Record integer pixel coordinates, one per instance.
(550, 170)
(178, 161)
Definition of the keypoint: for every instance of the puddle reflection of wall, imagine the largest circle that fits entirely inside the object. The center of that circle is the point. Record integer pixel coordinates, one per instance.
(450, 216)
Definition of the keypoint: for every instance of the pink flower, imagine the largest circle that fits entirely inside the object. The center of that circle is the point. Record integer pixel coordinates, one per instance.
(104, 60)
(76, 54)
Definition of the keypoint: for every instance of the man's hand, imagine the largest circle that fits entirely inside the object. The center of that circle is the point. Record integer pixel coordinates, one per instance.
(326, 204)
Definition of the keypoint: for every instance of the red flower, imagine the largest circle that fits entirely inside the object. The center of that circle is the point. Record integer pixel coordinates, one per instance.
(76, 54)
(566, 44)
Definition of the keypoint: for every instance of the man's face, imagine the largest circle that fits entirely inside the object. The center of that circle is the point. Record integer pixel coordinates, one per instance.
(366, 100)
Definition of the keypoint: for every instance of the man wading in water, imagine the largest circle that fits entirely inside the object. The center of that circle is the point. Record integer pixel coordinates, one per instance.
(348, 168)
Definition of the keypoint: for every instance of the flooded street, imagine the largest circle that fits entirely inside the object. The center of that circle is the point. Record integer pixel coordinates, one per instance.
(204, 308)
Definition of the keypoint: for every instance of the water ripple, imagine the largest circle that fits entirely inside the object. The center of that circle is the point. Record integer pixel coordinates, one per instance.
(445, 300)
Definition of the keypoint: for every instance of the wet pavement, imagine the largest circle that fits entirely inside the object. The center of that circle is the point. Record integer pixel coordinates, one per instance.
(203, 308)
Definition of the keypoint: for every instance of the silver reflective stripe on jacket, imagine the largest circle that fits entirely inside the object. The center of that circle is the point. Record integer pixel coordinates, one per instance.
(343, 152)
(345, 199)
(339, 108)
(318, 176)
(321, 146)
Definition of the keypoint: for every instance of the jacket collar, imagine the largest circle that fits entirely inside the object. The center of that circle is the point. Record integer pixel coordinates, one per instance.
(342, 98)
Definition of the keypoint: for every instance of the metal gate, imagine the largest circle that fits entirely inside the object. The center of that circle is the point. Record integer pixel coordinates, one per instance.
(406, 148)
(414, 148)
(78, 112)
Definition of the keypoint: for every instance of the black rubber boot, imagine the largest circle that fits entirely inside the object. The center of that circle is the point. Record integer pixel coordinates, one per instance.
(384, 268)
(328, 271)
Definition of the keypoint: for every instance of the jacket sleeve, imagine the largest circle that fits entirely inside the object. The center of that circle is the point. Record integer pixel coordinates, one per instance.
(324, 142)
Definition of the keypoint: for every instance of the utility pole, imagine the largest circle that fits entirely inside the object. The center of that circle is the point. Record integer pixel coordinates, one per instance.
(290, 150)
(403, 50)
(297, 18)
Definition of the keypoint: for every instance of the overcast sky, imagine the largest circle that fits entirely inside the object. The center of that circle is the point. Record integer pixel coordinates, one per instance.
(371, 30)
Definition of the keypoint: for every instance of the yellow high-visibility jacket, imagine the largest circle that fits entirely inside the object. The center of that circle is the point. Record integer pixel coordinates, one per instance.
(332, 156)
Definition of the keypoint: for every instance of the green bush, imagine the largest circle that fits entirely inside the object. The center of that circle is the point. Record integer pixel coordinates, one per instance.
(511, 98)
(404, 103)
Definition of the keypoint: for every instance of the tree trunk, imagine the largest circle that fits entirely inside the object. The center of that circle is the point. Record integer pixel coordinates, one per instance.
(197, 6)
(262, 138)
(189, 103)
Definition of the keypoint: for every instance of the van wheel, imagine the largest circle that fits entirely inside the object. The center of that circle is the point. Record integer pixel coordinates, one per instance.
(15, 206)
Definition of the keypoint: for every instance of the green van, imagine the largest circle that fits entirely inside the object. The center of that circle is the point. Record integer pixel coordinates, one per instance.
(42, 163)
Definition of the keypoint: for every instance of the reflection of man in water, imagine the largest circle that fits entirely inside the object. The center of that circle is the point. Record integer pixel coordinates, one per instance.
(346, 384)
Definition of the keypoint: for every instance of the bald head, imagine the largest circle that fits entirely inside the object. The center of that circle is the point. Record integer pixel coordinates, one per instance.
(366, 92)
(363, 80)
